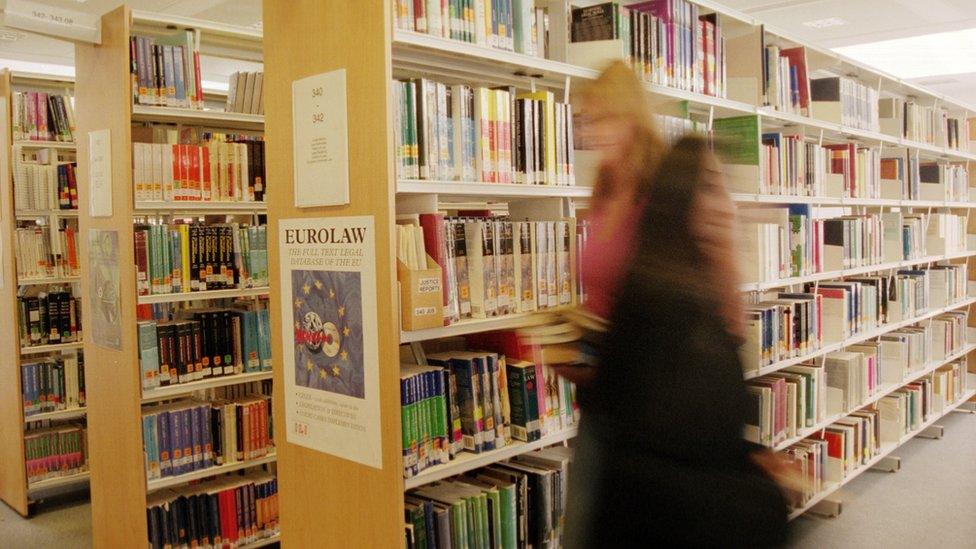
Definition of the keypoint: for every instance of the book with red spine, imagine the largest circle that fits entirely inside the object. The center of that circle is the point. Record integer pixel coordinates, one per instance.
(436, 243)
(142, 260)
(195, 180)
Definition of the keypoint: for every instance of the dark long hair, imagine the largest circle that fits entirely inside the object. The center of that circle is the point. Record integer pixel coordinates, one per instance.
(669, 253)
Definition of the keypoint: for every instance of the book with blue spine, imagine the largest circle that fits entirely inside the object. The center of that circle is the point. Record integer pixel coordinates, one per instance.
(523, 390)
(469, 399)
(148, 354)
(264, 338)
(165, 443)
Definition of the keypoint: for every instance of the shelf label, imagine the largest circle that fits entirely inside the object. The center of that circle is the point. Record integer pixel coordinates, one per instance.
(329, 328)
(321, 147)
(103, 288)
(100, 173)
(53, 21)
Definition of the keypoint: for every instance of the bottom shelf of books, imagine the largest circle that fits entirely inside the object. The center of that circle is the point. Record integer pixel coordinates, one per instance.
(842, 463)
(58, 482)
(236, 511)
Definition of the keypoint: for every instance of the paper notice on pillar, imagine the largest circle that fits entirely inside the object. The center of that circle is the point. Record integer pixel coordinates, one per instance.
(103, 289)
(330, 351)
(100, 173)
(321, 147)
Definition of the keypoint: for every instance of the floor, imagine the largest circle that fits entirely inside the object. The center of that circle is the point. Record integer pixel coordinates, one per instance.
(930, 502)
(63, 523)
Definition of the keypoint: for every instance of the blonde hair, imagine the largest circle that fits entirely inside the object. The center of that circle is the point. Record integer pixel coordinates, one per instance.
(618, 94)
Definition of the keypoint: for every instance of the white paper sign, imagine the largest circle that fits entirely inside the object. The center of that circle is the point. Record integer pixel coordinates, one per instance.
(100, 173)
(331, 355)
(53, 21)
(321, 148)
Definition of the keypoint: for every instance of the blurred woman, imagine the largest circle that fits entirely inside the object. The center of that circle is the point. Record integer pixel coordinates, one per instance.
(616, 121)
(660, 455)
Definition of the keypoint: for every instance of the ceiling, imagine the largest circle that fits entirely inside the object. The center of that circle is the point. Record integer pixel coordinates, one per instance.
(870, 21)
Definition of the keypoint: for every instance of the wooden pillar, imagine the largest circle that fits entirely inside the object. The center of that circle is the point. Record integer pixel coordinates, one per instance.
(324, 500)
(13, 475)
(118, 478)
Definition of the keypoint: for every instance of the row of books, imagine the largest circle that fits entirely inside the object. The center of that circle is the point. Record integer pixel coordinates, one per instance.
(908, 119)
(520, 502)
(668, 42)
(53, 384)
(459, 132)
(494, 266)
(39, 116)
(245, 92)
(193, 435)
(229, 511)
(219, 170)
(57, 451)
(672, 128)
(802, 396)
(780, 242)
(476, 402)
(953, 178)
(786, 87)
(37, 259)
(510, 25)
(844, 101)
(838, 99)
(836, 452)
(165, 70)
(785, 84)
(793, 164)
(790, 165)
(40, 184)
(192, 257)
(202, 344)
(785, 325)
(49, 316)
(845, 170)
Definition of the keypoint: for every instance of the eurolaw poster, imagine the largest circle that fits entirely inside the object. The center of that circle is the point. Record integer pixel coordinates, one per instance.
(330, 357)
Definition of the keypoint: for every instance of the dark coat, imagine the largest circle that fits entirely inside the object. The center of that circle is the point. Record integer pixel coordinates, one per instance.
(660, 455)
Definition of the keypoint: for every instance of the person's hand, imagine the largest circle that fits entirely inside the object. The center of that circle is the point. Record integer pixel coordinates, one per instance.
(580, 374)
(779, 468)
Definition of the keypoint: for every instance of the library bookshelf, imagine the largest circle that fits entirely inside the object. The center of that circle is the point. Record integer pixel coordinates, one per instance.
(15, 488)
(120, 483)
(365, 42)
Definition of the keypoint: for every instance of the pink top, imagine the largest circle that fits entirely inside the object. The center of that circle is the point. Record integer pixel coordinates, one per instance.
(606, 256)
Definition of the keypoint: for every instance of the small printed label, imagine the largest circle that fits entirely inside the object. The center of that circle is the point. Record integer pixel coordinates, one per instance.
(429, 285)
(423, 311)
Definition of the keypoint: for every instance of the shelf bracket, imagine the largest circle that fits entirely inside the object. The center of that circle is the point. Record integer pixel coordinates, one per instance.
(932, 431)
(888, 464)
(968, 407)
(418, 353)
(828, 507)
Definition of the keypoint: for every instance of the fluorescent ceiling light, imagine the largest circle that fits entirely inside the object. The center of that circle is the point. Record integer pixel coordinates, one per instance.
(941, 53)
(37, 68)
(824, 23)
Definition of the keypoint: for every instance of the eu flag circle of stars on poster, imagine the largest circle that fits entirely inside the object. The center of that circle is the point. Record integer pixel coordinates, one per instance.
(328, 313)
